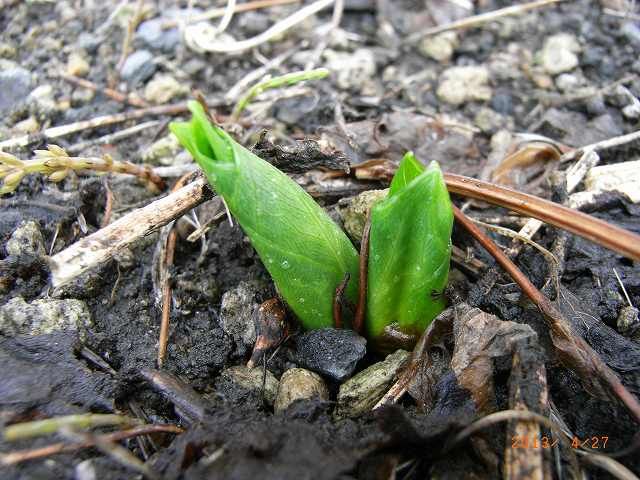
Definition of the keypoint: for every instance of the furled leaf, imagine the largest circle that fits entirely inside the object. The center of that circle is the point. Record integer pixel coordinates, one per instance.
(305, 252)
(409, 250)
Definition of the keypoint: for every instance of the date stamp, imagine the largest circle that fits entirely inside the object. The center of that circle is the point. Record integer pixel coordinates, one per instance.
(597, 442)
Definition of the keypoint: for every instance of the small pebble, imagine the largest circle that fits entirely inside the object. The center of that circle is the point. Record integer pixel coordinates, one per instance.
(489, 121)
(15, 84)
(567, 82)
(236, 315)
(331, 352)
(299, 384)
(42, 101)
(26, 240)
(77, 65)
(351, 71)
(354, 215)
(82, 96)
(163, 88)
(251, 379)
(28, 125)
(463, 84)
(629, 323)
(18, 317)
(360, 394)
(559, 53)
(163, 151)
(89, 42)
(138, 67)
(155, 36)
(439, 47)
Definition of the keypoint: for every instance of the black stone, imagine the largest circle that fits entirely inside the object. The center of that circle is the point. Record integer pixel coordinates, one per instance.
(330, 351)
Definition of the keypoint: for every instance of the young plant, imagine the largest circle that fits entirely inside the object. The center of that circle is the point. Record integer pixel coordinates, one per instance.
(409, 252)
(304, 251)
(307, 254)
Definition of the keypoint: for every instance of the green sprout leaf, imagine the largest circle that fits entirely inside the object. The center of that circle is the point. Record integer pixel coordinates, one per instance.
(285, 80)
(305, 252)
(409, 250)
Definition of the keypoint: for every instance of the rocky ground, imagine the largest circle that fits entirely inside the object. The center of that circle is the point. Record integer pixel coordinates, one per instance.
(568, 71)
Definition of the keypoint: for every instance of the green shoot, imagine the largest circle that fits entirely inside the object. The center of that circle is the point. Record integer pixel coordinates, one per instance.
(276, 82)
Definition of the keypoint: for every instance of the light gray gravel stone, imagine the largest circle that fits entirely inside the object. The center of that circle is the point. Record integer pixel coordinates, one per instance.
(360, 393)
(463, 84)
(559, 53)
(236, 315)
(251, 379)
(17, 317)
(299, 384)
(26, 240)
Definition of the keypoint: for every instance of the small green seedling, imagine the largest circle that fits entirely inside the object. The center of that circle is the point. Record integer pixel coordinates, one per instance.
(308, 255)
(409, 251)
(304, 251)
(286, 80)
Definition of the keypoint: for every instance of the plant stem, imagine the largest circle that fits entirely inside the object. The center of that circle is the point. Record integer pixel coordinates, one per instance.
(276, 82)
(358, 320)
(40, 428)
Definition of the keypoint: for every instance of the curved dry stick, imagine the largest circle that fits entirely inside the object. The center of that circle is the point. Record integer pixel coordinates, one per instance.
(591, 228)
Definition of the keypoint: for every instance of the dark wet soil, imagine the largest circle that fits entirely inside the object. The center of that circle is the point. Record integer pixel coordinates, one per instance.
(392, 105)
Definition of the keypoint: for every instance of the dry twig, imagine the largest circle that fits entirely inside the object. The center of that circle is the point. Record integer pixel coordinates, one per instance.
(64, 130)
(358, 320)
(591, 228)
(109, 92)
(13, 458)
(166, 263)
(238, 8)
(477, 20)
(103, 244)
(202, 37)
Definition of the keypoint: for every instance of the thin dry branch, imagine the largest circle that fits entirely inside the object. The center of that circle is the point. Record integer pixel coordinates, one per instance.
(114, 137)
(102, 121)
(591, 228)
(101, 246)
(220, 11)
(109, 92)
(167, 292)
(602, 145)
(19, 456)
(358, 320)
(483, 18)
(196, 35)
